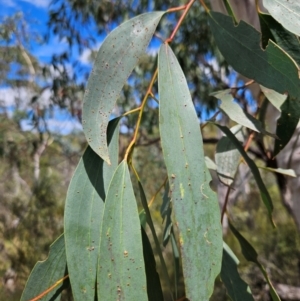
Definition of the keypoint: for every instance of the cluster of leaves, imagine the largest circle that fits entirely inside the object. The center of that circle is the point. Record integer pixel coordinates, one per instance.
(102, 224)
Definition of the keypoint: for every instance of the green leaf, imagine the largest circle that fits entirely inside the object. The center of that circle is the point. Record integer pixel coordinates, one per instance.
(237, 288)
(117, 57)
(273, 30)
(285, 12)
(274, 97)
(262, 188)
(287, 123)
(240, 45)
(83, 211)
(121, 270)
(154, 289)
(227, 159)
(286, 172)
(195, 205)
(47, 273)
(251, 255)
(236, 113)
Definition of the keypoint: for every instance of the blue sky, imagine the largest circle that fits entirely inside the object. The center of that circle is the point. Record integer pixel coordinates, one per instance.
(36, 15)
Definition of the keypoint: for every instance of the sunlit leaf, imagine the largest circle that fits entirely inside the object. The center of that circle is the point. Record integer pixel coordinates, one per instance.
(240, 45)
(285, 12)
(262, 188)
(117, 57)
(121, 270)
(287, 123)
(237, 288)
(286, 172)
(195, 205)
(83, 211)
(46, 273)
(251, 255)
(236, 113)
(275, 98)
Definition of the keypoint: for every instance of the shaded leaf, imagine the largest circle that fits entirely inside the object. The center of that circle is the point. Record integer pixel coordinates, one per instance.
(121, 270)
(273, 30)
(227, 159)
(154, 289)
(194, 204)
(262, 188)
(285, 12)
(287, 123)
(176, 259)
(237, 288)
(157, 244)
(236, 113)
(83, 210)
(240, 45)
(47, 273)
(251, 255)
(275, 98)
(117, 57)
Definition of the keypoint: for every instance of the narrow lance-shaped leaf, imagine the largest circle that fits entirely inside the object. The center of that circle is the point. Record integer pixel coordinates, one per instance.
(240, 45)
(262, 188)
(83, 212)
(157, 244)
(287, 123)
(46, 273)
(237, 288)
(154, 289)
(195, 205)
(116, 58)
(251, 255)
(285, 12)
(121, 270)
(286, 172)
(236, 113)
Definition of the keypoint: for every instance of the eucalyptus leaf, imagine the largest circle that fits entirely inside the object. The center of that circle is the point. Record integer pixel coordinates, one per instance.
(240, 45)
(236, 113)
(271, 29)
(83, 211)
(262, 188)
(194, 204)
(228, 157)
(251, 255)
(116, 58)
(285, 12)
(154, 289)
(286, 172)
(46, 273)
(287, 123)
(237, 288)
(275, 98)
(121, 270)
